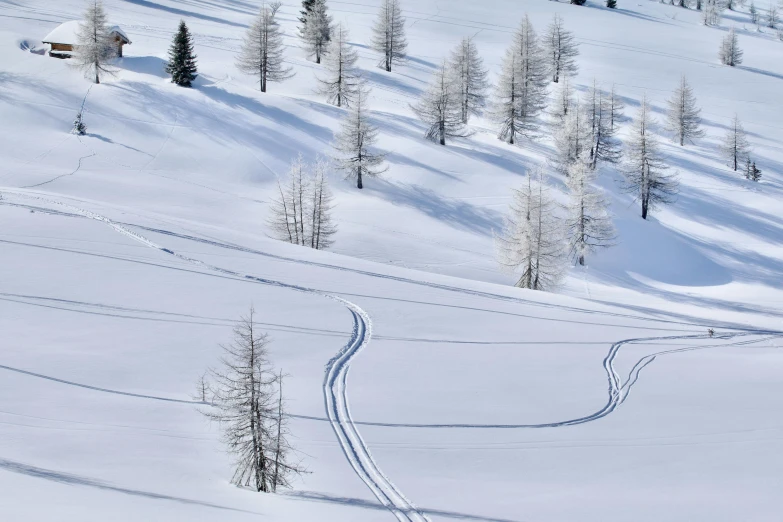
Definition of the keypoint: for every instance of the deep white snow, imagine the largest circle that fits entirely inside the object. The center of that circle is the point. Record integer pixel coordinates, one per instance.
(127, 255)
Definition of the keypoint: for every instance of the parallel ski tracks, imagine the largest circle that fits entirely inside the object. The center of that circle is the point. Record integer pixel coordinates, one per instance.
(335, 386)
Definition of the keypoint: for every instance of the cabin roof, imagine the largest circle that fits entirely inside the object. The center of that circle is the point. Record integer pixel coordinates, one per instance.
(67, 33)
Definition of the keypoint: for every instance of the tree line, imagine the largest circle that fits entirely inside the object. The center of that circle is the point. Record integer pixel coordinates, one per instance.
(583, 128)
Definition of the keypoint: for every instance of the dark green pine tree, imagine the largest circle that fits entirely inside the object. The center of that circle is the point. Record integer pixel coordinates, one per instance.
(611, 4)
(182, 61)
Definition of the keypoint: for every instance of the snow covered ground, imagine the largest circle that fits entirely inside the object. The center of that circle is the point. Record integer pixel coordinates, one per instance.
(127, 255)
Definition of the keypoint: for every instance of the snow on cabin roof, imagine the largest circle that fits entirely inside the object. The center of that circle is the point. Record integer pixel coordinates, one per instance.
(116, 29)
(67, 33)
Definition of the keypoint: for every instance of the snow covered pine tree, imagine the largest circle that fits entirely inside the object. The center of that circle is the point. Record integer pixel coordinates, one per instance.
(79, 128)
(182, 60)
(751, 172)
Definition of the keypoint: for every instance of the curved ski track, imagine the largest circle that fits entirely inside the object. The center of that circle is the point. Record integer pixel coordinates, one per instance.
(335, 382)
(336, 376)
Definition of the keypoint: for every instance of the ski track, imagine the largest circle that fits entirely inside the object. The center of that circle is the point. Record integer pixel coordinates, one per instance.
(335, 386)
(335, 383)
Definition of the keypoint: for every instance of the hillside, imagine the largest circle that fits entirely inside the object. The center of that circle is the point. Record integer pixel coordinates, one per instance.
(129, 253)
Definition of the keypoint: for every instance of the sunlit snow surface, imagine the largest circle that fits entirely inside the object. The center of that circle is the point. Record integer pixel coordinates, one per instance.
(126, 256)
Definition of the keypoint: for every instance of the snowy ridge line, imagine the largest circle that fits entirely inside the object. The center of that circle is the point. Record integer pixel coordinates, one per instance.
(335, 382)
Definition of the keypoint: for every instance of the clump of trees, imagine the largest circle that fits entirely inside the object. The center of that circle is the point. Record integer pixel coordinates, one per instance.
(247, 402)
(301, 213)
(182, 58)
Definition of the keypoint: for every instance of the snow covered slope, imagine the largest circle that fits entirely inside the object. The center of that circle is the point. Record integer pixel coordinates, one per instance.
(126, 256)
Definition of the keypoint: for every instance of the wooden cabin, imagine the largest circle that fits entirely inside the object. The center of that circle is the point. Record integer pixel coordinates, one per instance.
(63, 39)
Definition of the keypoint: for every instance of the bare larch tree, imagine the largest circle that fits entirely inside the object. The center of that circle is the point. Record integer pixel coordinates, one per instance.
(560, 50)
(389, 34)
(247, 404)
(470, 78)
(440, 109)
(301, 212)
(244, 401)
(564, 98)
(572, 139)
(288, 215)
(261, 53)
(644, 168)
(94, 46)
(531, 243)
(735, 146)
(588, 223)
(341, 81)
(604, 147)
(354, 143)
(682, 116)
(322, 226)
(616, 107)
(520, 94)
(730, 54)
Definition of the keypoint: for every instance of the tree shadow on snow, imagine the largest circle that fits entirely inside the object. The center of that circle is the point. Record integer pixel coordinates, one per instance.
(182, 12)
(312, 496)
(454, 212)
(152, 65)
(70, 479)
